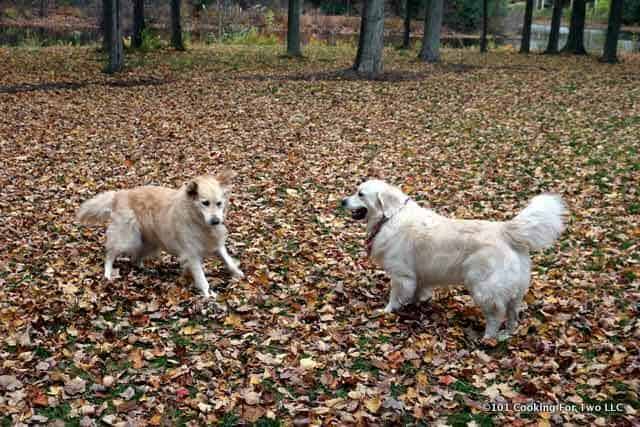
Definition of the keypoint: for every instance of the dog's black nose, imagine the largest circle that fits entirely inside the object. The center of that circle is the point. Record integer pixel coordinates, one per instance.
(344, 202)
(214, 221)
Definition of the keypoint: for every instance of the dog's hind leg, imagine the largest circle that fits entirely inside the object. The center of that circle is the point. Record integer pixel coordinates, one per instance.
(403, 291)
(109, 272)
(425, 293)
(494, 314)
(123, 237)
(231, 265)
(513, 307)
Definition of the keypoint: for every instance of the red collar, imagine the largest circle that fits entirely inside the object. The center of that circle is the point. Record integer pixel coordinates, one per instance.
(377, 227)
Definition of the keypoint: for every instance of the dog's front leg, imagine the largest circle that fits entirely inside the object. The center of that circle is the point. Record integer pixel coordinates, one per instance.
(197, 272)
(231, 265)
(403, 290)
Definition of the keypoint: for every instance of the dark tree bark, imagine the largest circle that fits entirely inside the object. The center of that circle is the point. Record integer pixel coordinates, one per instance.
(293, 28)
(176, 26)
(485, 19)
(575, 41)
(554, 33)
(107, 26)
(115, 43)
(138, 23)
(44, 8)
(525, 44)
(397, 6)
(610, 53)
(430, 51)
(406, 36)
(371, 39)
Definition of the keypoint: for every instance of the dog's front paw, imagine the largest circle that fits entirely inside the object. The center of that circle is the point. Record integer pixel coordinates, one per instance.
(503, 336)
(489, 342)
(112, 274)
(391, 307)
(238, 275)
(210, 295)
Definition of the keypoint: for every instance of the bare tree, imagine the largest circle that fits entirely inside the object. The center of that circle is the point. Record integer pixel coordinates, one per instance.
(575, 40)
(293, 28)
(485, 19)
(176, 26)
(371, 39)
(554, 33)
(138, 23)
(107, 26)
(525, 43)
(406, 36)
(116, 58)
(610, 53)
(44, 8)
(430, 51)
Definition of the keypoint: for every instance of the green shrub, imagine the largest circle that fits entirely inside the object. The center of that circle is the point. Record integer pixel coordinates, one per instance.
(10, 13)
(631, 12)
(249, 36)
(150, 40)
(466, 15)
(333, 7)
(601, 10)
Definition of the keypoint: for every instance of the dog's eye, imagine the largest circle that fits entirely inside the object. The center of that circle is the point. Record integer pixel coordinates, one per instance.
(218, 204)
(360, 194)
(206, 202)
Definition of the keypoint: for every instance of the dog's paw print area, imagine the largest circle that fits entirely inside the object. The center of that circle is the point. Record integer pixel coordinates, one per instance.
(303, 339)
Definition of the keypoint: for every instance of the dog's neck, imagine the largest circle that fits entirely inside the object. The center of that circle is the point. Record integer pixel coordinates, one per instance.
(377, 226)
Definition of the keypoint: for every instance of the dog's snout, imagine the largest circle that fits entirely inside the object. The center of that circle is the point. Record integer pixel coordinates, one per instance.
(344, 203)
(214, 220)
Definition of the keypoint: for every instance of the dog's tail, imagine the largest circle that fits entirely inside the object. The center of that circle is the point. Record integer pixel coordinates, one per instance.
(539, 224)
(96, 210)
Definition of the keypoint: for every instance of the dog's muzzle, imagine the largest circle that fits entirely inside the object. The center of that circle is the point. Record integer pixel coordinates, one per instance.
(214, 221)
(358, 214)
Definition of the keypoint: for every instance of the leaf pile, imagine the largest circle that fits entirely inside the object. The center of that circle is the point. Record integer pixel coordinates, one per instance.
(301, 340)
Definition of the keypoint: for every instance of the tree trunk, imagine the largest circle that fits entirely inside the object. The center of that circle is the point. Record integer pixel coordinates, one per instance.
(293, 28)
(610, 53)
(176, 26)
(44, 8)
(525, 43)
(406, 36)
(430, 51)
(485, 18)
(115, 43)
(138, 23)
(554, 33)
(575, 41)
(371, 40)
(107, 26)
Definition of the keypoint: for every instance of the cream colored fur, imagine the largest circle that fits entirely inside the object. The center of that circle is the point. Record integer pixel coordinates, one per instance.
(422, 250)
(187, 223)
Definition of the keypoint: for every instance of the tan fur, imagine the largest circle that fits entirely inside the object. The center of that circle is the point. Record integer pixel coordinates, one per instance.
(187, 223)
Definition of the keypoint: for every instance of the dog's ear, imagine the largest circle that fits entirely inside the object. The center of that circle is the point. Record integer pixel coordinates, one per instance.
(192, 189)
(387, 203)
(225, 177)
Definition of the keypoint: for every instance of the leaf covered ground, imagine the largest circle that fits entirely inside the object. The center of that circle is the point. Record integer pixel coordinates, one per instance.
(301, 340)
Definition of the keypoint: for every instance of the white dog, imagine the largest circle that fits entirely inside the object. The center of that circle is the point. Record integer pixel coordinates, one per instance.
(421, 250)
(187, 223)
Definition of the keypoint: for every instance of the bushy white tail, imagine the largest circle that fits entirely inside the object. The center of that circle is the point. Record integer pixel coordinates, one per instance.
(539, 224)
(96, 210)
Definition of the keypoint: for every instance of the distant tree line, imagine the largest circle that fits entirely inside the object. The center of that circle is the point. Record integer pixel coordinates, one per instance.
(369, 61)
